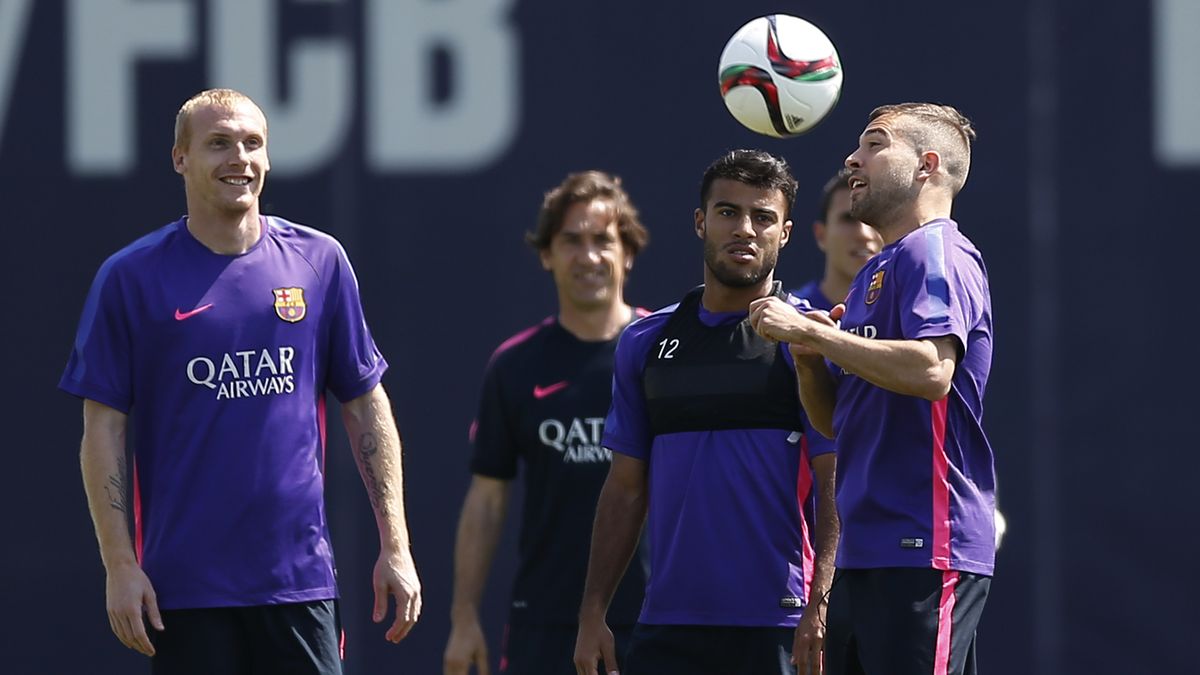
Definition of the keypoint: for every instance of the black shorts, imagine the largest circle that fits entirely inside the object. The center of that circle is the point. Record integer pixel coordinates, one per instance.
(710, 650)
(548, 649)
(297, 638)
(903, 621)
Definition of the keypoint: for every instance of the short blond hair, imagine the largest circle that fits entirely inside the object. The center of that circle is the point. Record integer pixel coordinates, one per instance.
(224, 98)
(941, 128)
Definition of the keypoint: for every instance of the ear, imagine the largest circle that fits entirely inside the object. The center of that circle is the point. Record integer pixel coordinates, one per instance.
(930, 162)
(179, 160)
(819, 230)
(785, 235)
(544, 256)
(699, 218)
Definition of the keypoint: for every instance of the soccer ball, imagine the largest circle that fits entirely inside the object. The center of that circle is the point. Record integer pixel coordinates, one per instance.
(780, 75)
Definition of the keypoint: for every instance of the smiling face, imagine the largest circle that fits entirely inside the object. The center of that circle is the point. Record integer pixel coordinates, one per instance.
(883, 173)
(224, 162)
(743, 229)
(587, 257)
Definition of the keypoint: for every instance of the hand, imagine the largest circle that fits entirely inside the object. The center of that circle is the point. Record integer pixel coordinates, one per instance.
(801, 352)
(774, 319)
(129, 593)
(396, 575)
(809, 641)
(595, 643)
(465, 648)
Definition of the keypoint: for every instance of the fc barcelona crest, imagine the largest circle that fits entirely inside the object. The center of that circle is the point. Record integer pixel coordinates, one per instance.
(875, 287)
(289, 304)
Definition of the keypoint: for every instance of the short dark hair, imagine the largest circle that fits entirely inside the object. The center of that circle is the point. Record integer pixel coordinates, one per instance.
(584, 187)
(755, 168)
(934, 126)
(832, 186)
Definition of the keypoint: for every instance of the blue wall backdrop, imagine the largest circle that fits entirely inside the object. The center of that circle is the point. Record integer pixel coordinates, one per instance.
(422, 133)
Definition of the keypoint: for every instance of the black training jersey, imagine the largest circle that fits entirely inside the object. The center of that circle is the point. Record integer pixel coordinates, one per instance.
(545, 396)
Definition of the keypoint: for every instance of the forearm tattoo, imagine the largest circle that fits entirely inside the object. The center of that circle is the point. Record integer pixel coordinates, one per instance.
(118, 495)
(368, 448)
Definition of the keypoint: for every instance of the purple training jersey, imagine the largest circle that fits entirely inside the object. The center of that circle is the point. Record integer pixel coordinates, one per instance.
(728, 538)
(222, 362)
(915, 479)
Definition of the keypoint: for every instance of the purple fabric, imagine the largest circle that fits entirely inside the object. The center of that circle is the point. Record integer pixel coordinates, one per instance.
(725, 525)
(222, 363)
(931, 283)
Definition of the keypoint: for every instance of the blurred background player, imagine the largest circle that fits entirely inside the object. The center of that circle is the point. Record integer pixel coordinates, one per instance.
(915, 483)
(706, 418)
(232, 565)
(545, 394)
(848, 243)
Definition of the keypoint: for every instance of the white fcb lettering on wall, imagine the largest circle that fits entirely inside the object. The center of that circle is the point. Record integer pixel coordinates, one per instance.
(406, 129)
(14, 19)
(1176, 83)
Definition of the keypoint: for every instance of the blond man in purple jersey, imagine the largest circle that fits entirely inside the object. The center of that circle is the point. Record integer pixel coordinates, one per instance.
(214, 339)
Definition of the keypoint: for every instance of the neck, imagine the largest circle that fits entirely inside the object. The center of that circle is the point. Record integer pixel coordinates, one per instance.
(223, 234)
(894, 229)
(834, 285)
(595, 324)
(721, 298)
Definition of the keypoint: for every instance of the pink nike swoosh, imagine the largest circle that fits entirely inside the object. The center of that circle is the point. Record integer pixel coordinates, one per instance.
(543, 392)
(180, 316)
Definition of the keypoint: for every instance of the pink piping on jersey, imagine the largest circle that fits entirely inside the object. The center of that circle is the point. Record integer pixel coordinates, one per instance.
(321, 428)
(504, 650)
(520, 337)
(941, 488)
(137, 514)
(941, 652)
(474, 428)
(804, 486)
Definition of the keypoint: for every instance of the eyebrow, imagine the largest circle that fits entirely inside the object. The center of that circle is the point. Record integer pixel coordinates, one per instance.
(876, 131)
(755, 209)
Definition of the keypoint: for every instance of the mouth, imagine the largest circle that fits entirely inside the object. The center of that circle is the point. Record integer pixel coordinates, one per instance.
(743, 253)
(596, 277)
(237, 181)
(856, 183)
(863, 253)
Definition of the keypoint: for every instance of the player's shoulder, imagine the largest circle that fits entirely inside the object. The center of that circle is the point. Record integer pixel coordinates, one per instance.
(518, 347)
(642, 331)
(134, 256)
(303, 237)
(938, 244)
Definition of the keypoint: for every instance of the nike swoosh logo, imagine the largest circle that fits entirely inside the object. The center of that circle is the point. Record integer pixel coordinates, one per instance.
(180, 316)
(543, 392)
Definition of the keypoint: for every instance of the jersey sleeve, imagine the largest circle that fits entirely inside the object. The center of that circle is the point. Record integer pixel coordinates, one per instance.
(495, 449)
(818, 444)
(935, 297)
(355, 364)
(101, 363)
(627, 428)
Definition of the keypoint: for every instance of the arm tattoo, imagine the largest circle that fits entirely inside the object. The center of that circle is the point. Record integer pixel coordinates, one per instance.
(368, 447)
(118, 496)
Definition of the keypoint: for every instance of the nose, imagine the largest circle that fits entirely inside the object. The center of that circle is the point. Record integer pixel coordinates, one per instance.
(591, 252)
(852, 161)
(744, 227)
(243, 155)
